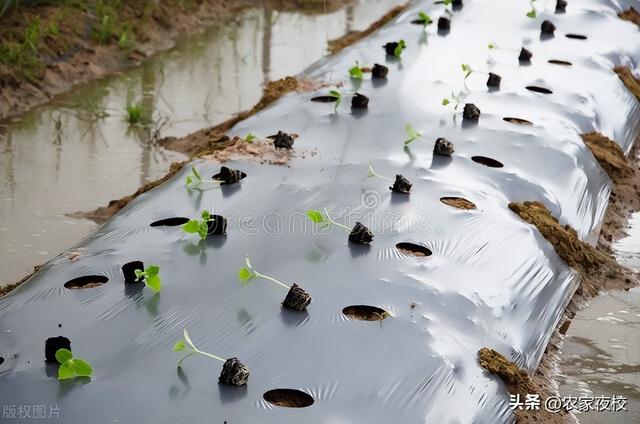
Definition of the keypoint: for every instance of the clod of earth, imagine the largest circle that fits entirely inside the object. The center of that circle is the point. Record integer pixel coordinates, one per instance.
(458, 202)
(297, 298)
(547, 27)
(413, 249)
(483, 160)
(525, 55)
(630, 15)
(86, 282)
(365, 313)
(494, 80)
(379, 71)
(561, 6)
(516, 379)
(234, 373)
(443, 147)
(52, 345)
(360, 234)
(129, 271)
(629, 80)
(229, 176)
(471, 112)
(390, 48)
(283, 140)
(518, 121)
(359, 101)
(537, 89)
(444, 23)
(609, 155)
(288, 398)
(217, 225)
(401, 185)
(576, 36)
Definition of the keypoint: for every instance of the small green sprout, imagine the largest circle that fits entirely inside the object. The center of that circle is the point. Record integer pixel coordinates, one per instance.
(323, 220)
(356, 71)
(249, 138)
(187, 345)
(150, 277)
(457, 99)
(412, 134)
(195, 180)
(397, 52)
(134, 114)
(493, 45)
(199, 226)
(373, 173)
(71, 367)
(248, 273)
(467, 70)
(425, 19)
(338, 96)
(532, 13)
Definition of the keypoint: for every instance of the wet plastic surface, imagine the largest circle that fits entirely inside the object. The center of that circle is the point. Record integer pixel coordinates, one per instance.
(491, 279)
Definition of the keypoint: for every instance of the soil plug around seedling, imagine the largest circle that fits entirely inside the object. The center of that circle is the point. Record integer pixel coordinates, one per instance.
(359, 234)
(228, 176)
(282, 140)
(379, 71)
(443, 147)
(150, 277)
(444, 23)
(547, 28)
(395, 48)
(471, 112)
(561, 6)
(401, 184)
(129, 271)
(52, 345)
(233, 372)
(296, 299)
(494, 80)
(71, 367)
(525, 55)
(359, 101)
(207, 225)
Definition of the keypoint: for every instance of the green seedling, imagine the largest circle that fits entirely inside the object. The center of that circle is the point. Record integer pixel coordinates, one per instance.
(338, 96)
(71, 367)
(532, 13)
(248, 273)
(323, 220)
(397, 52)
(150, 277)
(134, 114)
(425, 19)
(356, 71)
(412, 134)
(493, 45)
(249, 138)
(195, 180)
(198, 225)
(186, 345)
(373, 173)
(456, 99)
(467, 70)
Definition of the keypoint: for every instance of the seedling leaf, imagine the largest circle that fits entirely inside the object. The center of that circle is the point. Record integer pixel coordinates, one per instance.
(412, 134)
(66, 371)
(445, 102)
(250, 137)
(315, 216)
(245, 275)
(196, 173)
(531, 14)
(81, 368)
(152, 271)
(179, 346)
(426, 19)
(397, 52)
(153, 283)
(189, 227)
(63, 355)
(356, 72)
(205, 215)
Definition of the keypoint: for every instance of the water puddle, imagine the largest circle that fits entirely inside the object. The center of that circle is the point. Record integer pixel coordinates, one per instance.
(601, 354)
(77, 152)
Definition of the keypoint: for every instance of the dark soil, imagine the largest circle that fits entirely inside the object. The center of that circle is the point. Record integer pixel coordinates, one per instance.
(86, 282)
(129, 271)
(627, 77)
(458, 202)
(390, 48)
(561, 6)
(360, 234)
(413, 249)
(630, 15)
(365, 313)
(443, 147)
(340, 43)
(234, 373)
(379, 71)
(359, 101)
(444, 23)
(297, 299)
(494, 80)
(525, 55)
(282, 140)
(547, 28)
(288, 398)
(52, 345)
(217, 225)
(470, 112)
(401, 185)
(229, 176)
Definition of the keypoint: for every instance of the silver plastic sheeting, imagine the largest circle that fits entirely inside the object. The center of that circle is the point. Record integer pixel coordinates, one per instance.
(492, 279)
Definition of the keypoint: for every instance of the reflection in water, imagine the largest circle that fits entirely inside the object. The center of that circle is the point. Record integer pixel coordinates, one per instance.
(77, 152)
(601, 353)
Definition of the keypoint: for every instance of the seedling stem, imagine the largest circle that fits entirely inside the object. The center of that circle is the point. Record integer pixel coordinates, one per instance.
(248, 273)
(192, 349)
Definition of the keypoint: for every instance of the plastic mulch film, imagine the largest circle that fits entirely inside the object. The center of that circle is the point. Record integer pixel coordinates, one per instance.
(482, 277)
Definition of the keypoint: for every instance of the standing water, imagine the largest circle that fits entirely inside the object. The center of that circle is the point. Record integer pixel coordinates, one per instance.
(600, 356)
(77, 152)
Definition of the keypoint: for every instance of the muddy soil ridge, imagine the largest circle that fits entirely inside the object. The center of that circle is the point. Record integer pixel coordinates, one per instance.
(48, 49)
